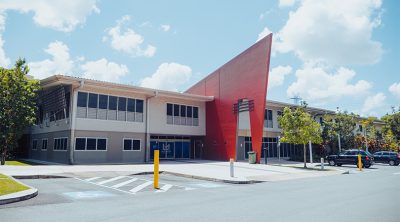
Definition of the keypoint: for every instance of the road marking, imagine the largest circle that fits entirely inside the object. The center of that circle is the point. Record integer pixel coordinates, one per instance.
(93, 178)
(124, 183)
(141, 186)
(398, 173)
(88, 194)
(165, 188)
(111, 180)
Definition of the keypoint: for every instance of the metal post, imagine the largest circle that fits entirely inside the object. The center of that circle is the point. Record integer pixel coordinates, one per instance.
(156, 168)
(310, 147)
(322, 163)
(231, 167)
(279, 148)
(265, 155)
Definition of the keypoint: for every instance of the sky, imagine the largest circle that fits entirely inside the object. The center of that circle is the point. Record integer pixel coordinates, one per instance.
(333, 53)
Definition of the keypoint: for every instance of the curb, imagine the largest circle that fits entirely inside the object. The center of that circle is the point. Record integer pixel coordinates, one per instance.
(22, 177)
(19, 196)
(214, 179)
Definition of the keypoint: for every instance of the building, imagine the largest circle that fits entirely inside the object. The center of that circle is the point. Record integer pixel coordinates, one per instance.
(223, 116)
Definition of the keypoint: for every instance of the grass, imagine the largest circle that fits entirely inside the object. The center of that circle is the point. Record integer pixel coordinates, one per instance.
(20, 163)
(8, 185)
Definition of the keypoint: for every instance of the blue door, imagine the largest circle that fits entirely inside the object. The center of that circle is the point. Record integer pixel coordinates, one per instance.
(186, 149)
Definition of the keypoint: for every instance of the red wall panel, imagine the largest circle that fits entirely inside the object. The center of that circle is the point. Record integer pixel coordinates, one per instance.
(245, 76)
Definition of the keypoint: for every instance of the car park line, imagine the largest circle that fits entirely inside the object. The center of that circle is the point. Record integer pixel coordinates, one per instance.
(140, 187)
(111, 180)
(93, 178)
(398, 173)
(165, 188)
(124, 183)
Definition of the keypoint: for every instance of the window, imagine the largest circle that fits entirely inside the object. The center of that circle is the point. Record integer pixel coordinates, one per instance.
(103, 101)
(268, 119)
(44, 144)
(67, 103)
(121, 104)
(131, 105)
(131, 145)
(195, 112)
(169, 109)
(189, 111)
(176, 110)
(82, 99)
(183, 111)
(93, 99)
(60, 144)
(139, 106)
(90, 144)
(34, 144)
(112, 103)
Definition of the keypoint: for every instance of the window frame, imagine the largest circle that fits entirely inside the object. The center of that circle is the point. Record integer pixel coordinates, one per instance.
(34, 145)
(47, 144)
(54, 144)
(91, 137)
(131, 139)
(87, 98)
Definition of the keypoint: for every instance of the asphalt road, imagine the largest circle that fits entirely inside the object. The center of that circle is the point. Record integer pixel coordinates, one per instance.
(370, 195)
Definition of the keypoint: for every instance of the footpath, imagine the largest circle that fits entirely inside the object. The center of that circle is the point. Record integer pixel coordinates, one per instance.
(199, 169)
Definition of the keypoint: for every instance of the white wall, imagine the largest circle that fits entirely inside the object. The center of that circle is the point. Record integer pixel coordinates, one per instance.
(158, 117)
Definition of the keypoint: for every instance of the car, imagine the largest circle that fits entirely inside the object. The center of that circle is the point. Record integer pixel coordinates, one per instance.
(350, 157)
(392, 158)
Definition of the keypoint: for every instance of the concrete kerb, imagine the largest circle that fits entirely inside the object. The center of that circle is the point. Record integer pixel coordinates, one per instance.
(214, 179)
(19, 196)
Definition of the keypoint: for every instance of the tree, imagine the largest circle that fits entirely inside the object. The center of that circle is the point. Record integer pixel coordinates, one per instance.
(299, 128)
(340, 124)
(18, 95)
(391, 131)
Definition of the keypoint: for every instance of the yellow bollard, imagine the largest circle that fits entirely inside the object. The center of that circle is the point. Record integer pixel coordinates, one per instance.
(156, 164)
(359, 162)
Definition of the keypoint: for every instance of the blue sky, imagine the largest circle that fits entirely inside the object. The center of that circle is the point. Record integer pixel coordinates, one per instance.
(335, 53)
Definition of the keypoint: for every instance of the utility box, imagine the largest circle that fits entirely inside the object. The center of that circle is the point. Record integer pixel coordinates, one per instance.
(252, 157)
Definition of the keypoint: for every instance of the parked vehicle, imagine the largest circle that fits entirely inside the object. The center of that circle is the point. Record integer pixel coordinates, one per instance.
(392, 158)
(350, 157)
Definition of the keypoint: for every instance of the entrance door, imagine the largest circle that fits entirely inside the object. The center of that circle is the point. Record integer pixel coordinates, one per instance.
(198, 145)
(170, 150)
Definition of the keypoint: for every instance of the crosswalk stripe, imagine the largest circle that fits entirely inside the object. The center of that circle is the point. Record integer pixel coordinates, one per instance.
(124, 183)
(141, 186)
(93, 178)
(165, 188)
(110, 180)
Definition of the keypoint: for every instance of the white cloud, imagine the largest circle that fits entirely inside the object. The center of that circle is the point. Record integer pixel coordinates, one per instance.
(286, 3)
(315, 84)
(60, 63)
(165, 28)
(169, 76)
(4, 60)
(61, 15)
(332, 31)
(395, 89)
(104, 70)
(264, 33)
(372, 103)
(127, 40)
(277, 75)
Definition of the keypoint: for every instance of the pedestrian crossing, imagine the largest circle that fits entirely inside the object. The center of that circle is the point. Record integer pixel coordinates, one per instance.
(132, 185)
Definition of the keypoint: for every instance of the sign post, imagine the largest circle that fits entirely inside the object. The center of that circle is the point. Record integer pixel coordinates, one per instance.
(156, 167)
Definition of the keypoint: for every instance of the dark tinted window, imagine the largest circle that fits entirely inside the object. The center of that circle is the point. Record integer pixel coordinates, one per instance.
(82, 99)
(139, 106)
(121, 104)
(91, 144)
(103, 101)
(127, 144)
(136, 144)
(189, 111)
(101, 144)
(169, 109)
(93, 100)
(80, 143)
(176, 110)
(131, 105)
(268, 114)
(195, 112)
(183, 111)
(112, 102)
(67, 102)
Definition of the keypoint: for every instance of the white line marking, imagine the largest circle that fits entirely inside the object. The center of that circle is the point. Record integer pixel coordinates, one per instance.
(165, 188)
(141, 186)
(93, 178)
(110, 180)
(124, 183)
(104, 186)
(397, 173)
